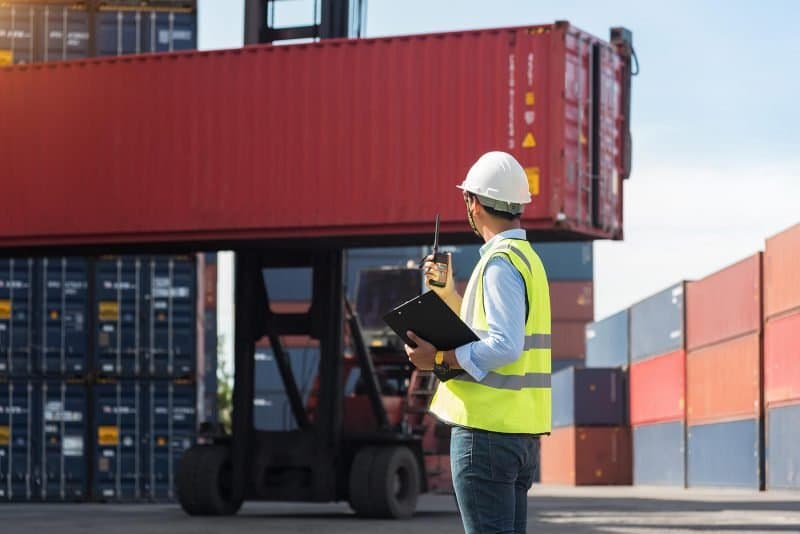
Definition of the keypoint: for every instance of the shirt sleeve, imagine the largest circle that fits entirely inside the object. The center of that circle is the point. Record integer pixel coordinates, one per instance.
(504, 301)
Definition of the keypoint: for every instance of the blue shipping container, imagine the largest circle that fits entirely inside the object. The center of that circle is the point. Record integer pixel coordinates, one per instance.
(17, 317)
(134, 32)
(63, 430)
(171, 316)
(17, 31)
(62, 315)
(656, 323)
(17, 452)
(118, 435)
(586, 397)
(169, 420)
(607, 341)
(288, 284)
(659, 454)
(724, 454)
(557, 364)
(271, 409)
(66, 33)
(783, 447)
(120, 341)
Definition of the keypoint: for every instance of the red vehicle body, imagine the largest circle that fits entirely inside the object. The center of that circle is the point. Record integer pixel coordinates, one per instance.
(358, 139)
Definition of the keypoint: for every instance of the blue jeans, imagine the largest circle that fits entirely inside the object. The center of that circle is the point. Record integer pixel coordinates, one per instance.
(492, 474)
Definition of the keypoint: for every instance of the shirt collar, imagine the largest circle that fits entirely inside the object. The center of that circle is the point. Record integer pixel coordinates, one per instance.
(514, 233)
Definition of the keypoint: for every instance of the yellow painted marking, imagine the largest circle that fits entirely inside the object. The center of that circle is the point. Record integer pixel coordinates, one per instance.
(6, 58)
(5, 435)
(5, 309)
(533, 179)
(583, 139)
(54, 315)
(108, 435)
(109, 310)
(530, 98)
(529, 141)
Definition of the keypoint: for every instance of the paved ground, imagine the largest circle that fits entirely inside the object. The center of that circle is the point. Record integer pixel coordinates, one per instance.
(551, 509)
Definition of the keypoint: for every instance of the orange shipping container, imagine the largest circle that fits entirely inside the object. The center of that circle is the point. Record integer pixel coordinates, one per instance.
(725, 304)
(586, 456)
(572, 300)
(781, 268)
(723, 381)
(657, 388)
(782, 360)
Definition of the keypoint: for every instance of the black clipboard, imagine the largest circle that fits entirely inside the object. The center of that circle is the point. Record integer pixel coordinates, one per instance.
(430, 318)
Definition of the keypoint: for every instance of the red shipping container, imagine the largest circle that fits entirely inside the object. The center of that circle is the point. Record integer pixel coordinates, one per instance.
(723, 381)
(782, 360)
(276, 142)
(725, 304)
(568, 339)
(657, 389)
(572, 301)
(781, 265)
(578, 456)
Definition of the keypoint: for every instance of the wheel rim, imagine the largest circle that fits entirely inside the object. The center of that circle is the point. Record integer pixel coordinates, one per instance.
(400, 484)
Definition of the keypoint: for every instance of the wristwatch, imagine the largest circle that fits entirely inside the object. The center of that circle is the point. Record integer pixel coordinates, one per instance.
(443, 371)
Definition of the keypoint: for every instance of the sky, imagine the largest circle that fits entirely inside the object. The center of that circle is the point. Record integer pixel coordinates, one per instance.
(715, 116)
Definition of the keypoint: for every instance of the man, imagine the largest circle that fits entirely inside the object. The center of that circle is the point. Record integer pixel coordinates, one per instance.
(495, 392)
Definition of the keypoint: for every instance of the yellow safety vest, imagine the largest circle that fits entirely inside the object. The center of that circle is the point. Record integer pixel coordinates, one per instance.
(514, 398)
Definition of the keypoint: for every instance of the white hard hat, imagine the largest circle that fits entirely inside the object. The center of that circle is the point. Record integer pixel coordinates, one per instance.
(499, 182)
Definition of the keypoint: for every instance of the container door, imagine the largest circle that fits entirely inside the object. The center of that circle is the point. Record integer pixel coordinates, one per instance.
(65, 33)
(63, 430)
(17, 455)
(16, 318)
(63, 315)
(117, 433)
(17, 33)
(171, 426)
(119, 32)
(169, 31)
(119, 311)
(170, 298)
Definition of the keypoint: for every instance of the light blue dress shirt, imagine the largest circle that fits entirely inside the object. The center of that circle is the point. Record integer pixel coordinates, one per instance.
(504, 301)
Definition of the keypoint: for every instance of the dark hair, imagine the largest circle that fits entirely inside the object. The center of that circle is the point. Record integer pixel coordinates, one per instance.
(496, 213)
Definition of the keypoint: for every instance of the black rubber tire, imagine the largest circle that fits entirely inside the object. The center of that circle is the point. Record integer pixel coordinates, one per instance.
(204, 481)
(385, 482)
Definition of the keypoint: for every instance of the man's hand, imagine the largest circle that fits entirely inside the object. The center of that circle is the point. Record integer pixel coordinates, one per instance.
(422, 356)
(447, 293)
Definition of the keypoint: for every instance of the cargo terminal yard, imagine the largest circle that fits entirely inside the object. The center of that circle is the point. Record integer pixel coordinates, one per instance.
(213, 212)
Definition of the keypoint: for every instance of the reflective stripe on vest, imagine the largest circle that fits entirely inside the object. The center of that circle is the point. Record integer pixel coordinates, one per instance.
(514, 398)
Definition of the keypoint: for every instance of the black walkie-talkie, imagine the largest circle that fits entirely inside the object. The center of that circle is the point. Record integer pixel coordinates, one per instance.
(440, 259)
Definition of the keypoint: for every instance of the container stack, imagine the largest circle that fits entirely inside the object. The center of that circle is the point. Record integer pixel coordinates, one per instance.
(723, 377)
(657, 388)
(590, 442)
(782, 359)
(62, 30)
(97, 379)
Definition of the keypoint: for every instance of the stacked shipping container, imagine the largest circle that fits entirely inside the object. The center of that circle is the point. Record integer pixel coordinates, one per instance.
(723, 377)
(782, 359)
(590, 442)
(657, 388)
(67, 30)
(97, 383)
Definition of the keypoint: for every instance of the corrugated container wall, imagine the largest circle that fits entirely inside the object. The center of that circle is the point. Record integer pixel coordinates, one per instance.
(782, 360)
(532, 83)
(659, 454)
(16, 316)
(209, 339)
(18, 454)
(781, 265)
(724, 454)
(656, 323)
(607, 341)
(41, 32)
(783, 454)
(724, 305)
(586, 456)
(589, 397)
